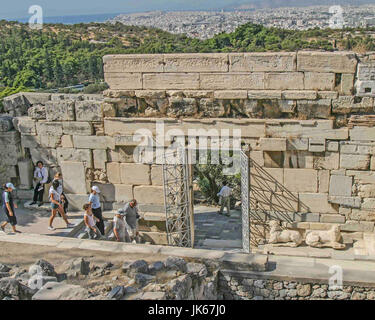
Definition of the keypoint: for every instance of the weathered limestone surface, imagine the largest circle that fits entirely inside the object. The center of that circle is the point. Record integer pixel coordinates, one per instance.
(263, 62)
(338, 62)
(295, 113)
(74, 177)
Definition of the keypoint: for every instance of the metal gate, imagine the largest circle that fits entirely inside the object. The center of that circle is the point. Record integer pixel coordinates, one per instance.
(178, 198)
(245, 200)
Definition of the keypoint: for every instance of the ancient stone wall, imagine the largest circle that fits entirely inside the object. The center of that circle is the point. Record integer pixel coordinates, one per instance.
(303, 85)
(243, 287)
(303, 115)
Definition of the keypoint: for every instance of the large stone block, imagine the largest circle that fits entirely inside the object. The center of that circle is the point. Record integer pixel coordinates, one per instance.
(37, 112)
(25, 125)
(157, 175)
(284, 81)
(231, 94)
(340, 186)
(133, 63)
(314, 109)
(300, 144)
(196, 62)
(37, 97)
(149, 195)
(89, 111)
(366, 191)
(182, 107)
(77, 128)
(135, 174)
(362, 215)
(25, 170)
(30, 141)
(75, 155)
(348, 202)
(301, 180)
(67, 141)
(49, 141)
(113, 172)
(60, 110)
(93, 142)
(170, 81)
(100, 158)
(354, 161)
(7, 123)
(262, 62)
(123, 193)
(347, 84)
(316, 202)
(319, 81)
(355, 226)
(323, 181)
(124, 81)
(48, 156)
(330, 161)
(232, 81)
(74, 177)
(76, 201)
(317, 145)
(337, 62)
(49, 128)
(272, 144)
(264, 94)
(362, 134)
(349, 104)
(299, 95)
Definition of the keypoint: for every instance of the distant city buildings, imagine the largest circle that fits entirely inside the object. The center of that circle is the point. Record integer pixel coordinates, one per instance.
(206, 24)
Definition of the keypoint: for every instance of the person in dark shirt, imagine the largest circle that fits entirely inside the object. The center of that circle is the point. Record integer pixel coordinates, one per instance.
(9, 207)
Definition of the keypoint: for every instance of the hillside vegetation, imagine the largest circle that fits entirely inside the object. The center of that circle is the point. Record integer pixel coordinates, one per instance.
(66, 55)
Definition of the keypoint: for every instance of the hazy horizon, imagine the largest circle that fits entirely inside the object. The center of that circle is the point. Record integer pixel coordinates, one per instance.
(52, 8)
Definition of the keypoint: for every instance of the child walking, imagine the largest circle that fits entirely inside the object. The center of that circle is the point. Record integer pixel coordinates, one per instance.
(90, 222)
(9, 206)
(56, 206)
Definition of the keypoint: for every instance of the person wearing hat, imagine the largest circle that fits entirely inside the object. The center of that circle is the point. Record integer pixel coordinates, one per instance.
(96, 207)
(119, 226)
(9, 206)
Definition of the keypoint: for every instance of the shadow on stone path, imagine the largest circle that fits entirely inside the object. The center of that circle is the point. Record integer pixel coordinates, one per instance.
(215, 231)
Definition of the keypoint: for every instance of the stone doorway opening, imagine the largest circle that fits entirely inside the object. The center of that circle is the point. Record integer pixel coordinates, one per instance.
(191, 200)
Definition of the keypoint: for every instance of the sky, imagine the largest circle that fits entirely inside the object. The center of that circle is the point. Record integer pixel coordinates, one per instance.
(15, 9)
(11, 9)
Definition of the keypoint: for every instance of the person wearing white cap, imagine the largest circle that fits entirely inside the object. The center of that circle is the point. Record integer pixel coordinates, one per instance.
(96, 207)
(9, 206)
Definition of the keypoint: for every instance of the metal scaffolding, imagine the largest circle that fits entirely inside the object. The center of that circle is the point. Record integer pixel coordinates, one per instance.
(177, 198)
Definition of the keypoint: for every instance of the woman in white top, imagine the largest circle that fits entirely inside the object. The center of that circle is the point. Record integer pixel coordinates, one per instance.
(60, 190)
(90, 222)
(56, 206)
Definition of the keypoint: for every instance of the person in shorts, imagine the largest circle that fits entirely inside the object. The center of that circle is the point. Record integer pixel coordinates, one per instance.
(56, 206)
(9, 207)
(90, 222)
(94, 200)
(131, 218)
